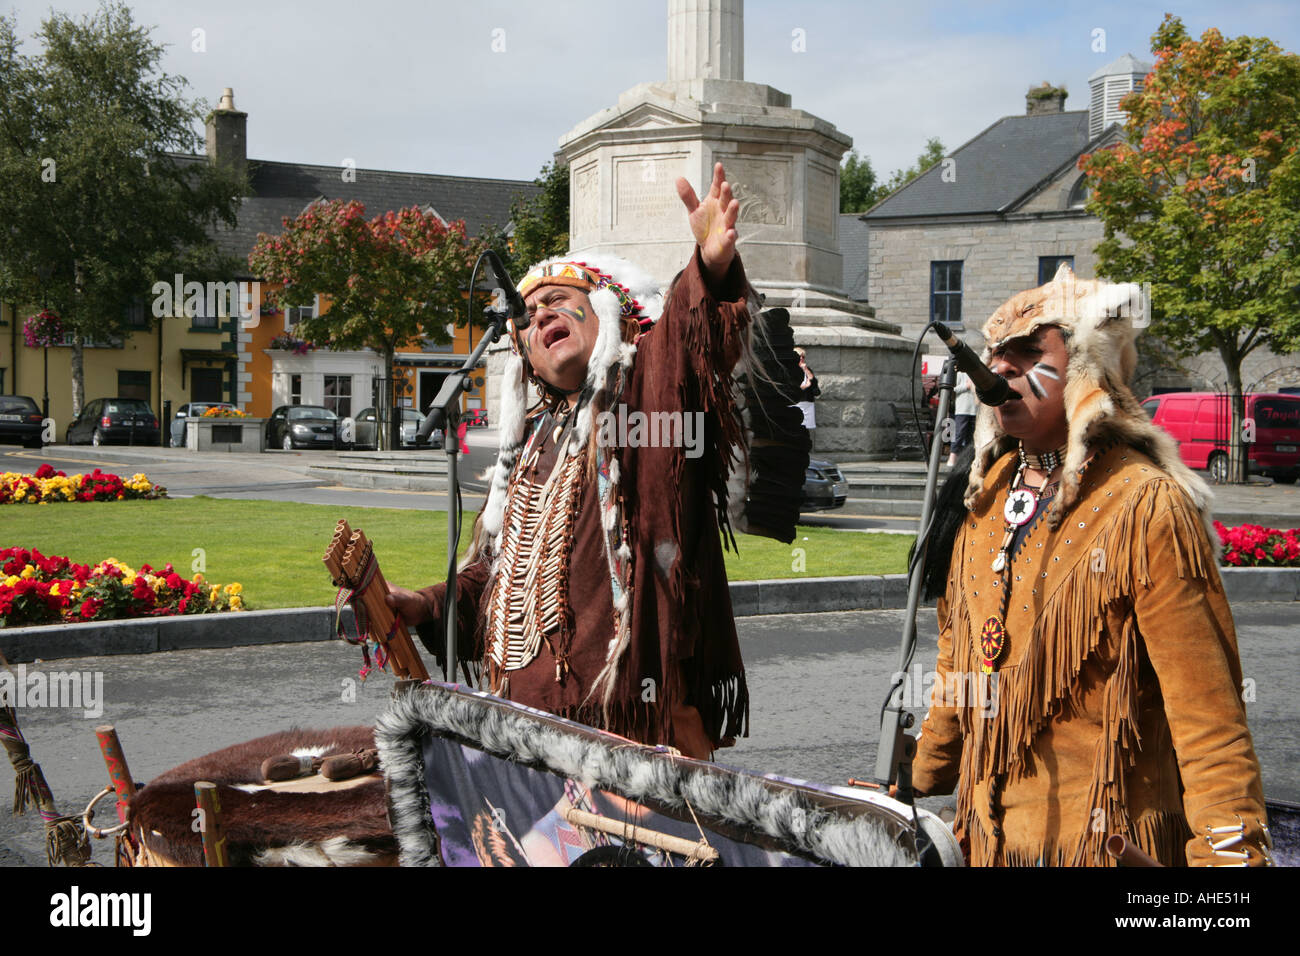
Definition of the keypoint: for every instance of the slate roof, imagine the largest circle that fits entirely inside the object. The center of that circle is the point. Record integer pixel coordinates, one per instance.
(854, 248)
(993, 170)
(285, 189)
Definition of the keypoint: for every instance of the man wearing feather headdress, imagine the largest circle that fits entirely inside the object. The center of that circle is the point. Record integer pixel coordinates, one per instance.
(596, 588)
(1083, 589)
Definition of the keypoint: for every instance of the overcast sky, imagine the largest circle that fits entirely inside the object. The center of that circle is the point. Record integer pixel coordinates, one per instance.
(407, 85)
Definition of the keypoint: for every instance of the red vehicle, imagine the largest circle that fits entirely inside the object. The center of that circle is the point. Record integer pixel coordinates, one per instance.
(475, 418)
(1200, 421)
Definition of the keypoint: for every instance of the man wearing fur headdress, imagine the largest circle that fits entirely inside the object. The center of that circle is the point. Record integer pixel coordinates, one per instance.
(1084, 603)
(596, 588)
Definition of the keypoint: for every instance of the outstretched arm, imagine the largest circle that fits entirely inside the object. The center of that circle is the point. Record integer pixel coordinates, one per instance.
(713, 223)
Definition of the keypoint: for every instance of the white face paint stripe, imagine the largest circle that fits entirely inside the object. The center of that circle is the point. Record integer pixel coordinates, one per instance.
(1035, 385)
(1046, 370)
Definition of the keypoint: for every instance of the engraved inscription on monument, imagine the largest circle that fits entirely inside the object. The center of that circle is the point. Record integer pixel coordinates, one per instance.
(586, 199)
(821, 201)
(645, 188)
(763, 187)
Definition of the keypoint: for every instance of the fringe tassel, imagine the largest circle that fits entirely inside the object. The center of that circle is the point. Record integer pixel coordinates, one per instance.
(66, 842)
(1046, 680)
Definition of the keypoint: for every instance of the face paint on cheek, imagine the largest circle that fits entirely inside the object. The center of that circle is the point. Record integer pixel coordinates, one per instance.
(579, 313)
(1049, 370)
(1034, 385)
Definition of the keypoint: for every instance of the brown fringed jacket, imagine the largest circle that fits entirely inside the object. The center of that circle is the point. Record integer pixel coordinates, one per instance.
(1118, 706)
(682, 663)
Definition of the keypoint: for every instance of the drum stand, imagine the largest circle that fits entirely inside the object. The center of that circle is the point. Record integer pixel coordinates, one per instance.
(896, 747)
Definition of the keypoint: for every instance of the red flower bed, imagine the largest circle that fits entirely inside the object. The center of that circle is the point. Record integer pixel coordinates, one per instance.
(35, 589)
(1254, 546)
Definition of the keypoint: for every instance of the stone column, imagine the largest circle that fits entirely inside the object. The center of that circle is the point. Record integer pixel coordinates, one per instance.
(706, 39)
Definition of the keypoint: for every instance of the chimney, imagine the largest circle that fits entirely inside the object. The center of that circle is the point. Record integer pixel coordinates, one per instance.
(227, 130)
(1045, 99)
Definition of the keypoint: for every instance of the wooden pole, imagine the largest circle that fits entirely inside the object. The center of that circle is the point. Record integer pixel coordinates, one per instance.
(214, 834)
(119, 775)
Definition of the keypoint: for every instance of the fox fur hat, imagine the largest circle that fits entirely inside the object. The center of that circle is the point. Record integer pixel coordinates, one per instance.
(1097, 320)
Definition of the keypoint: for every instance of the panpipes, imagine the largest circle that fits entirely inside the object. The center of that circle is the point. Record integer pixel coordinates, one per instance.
(351, 562)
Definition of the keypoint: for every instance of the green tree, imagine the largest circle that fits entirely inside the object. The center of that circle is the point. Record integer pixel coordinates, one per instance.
(390, 281)
(542, 222)
(1202, 199)
(95, 207)
(857, 184)
(932, 153)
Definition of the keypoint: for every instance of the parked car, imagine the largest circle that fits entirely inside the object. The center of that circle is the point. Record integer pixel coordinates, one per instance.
(1200, 423)
(187, 411)
(302, 426)
(20, 420)
(475, 418)
(366, 436)
(824, 486)
(108, 421)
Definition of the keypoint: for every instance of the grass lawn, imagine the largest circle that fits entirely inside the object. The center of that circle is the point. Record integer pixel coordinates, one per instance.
(274, 548)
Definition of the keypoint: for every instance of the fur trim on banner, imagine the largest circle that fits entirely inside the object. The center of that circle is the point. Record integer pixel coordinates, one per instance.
(880, 836)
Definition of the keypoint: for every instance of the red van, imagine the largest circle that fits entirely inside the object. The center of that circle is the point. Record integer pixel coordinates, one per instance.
(1199, 422)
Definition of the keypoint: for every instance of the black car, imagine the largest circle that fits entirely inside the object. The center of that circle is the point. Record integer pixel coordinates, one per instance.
(107, 421)
(20, 421)
(824, 486)
(302, 426)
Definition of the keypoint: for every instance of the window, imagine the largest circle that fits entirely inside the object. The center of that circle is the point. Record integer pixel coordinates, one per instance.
(136, 315)
(295, 389)
(338, 394)
(294, 315)
(206, 313)
(133, 384)
(1080, 193)
(1047, 266)
(945, 293)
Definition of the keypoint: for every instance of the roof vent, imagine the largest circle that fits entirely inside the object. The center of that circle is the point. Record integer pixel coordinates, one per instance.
(1108, 86)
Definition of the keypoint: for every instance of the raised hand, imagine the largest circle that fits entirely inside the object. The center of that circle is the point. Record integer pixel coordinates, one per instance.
(713, 221)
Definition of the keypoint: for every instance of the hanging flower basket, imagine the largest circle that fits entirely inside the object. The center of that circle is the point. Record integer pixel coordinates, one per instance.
(42, 329)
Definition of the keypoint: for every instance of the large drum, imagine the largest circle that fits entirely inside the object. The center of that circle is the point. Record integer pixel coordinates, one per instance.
(308, 821)
(474, 780)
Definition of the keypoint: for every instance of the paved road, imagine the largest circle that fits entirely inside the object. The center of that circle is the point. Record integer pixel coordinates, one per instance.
(816, 683)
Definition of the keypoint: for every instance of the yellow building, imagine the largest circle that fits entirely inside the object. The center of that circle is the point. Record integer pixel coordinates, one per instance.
(221, 349)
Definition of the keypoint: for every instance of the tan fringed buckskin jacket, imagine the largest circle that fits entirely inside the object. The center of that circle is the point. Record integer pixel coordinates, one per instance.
(1118, 705)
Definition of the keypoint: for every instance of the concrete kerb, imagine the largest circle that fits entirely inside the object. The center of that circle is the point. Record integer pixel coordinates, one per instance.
(183, 632)
(295, 625)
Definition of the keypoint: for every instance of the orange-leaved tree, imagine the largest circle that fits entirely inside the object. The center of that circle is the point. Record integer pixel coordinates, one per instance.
(390, 280)
(1202, 200)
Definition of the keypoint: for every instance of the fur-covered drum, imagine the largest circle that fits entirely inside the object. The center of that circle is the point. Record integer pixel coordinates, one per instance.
(307, 821)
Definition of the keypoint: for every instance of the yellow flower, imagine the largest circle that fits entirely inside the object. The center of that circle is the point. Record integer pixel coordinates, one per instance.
(235, 588)
(28, 572)
(197, 579)
(236, 603)
(12, 580)
(54, 589)
(212, 595)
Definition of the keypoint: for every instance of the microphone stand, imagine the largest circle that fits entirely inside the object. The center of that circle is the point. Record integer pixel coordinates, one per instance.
(444, 413)
(897, 747)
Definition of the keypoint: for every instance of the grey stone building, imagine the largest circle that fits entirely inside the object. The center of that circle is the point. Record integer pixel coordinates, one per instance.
(998, 216)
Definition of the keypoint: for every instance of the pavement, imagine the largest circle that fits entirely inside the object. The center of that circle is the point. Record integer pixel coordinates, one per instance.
(816, 685)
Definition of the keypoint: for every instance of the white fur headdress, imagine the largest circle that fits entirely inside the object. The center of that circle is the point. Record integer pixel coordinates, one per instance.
(1096, 318)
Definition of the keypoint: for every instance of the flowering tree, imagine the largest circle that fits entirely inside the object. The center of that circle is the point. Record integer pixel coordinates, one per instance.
(390, 280)
(1202, 199)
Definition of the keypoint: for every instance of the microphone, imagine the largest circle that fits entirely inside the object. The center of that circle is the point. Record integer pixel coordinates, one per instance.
(990, 387)
(515, 308)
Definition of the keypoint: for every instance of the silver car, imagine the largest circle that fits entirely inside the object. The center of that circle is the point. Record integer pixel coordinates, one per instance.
(366, 424)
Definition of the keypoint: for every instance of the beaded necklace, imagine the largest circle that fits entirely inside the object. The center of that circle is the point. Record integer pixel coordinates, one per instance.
(1021, 506)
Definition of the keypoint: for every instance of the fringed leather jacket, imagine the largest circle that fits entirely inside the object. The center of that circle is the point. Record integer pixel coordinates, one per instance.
(1117, 704)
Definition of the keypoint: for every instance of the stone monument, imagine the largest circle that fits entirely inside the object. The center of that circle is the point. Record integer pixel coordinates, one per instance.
(784, 167)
